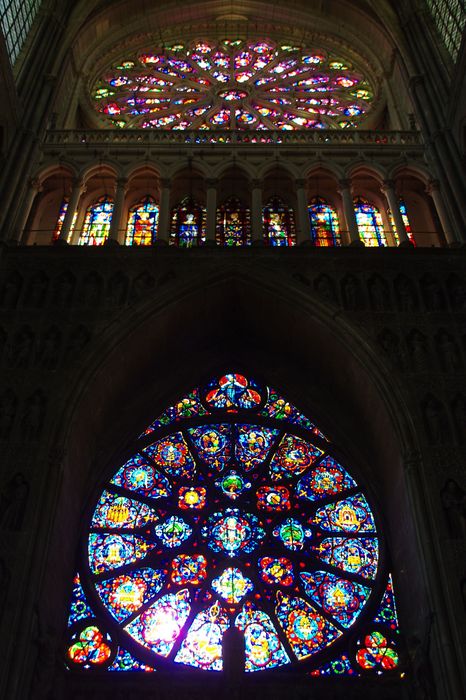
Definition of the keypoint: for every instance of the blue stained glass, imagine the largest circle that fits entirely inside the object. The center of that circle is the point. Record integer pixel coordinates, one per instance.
(232, 484)
(232, 586)
(79, 606)
(341, 666)
(232, 532)
(125, 594)
(353, 514)
(253, 445)
(124, 661)
(279, 408)
(158, 627)
(327, 479)
(202, 646)
(139, 476)
(117, 512)
(292, 534)
(173, 532)
(263, 648)
(356, 556)
(96, 225)
(142, 223)
(386, 614)
(173, 456)
(324, 223)
(232, 392)
(186, 407)
(307, 631)
(107, 552)
(188, 224)
(213, 444)
(338, 597)
(293, 457)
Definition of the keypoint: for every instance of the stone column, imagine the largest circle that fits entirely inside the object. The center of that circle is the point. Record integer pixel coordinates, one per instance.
(163, 226)
(388, 188)
(70, 211)
(35, 186)
(434, 190)
(115, 234)
(256, 212)
(211, 211)
(349, 213)
(303, 232)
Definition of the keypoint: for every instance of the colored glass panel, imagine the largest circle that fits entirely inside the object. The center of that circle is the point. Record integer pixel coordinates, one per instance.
(307, 631)
(108, 552)
(404, 216)
(79, 608)
(263, 648)
(233, 219)
(125, 594)
(90, 647)
(188, 224)
(327, 479)
(173, 456)
(386, 614)
(97, 222)
(118, 512)
(202, 646)
(350, 515)
(189, 569)
(377, 653)
(232, 586)
(192, 497)
(137, 475)
(370, 223)
(356, 556)
(233, 392)
(142, 223)
(233, 485)
(16, 20)
(279, 408)
(187, 407)
(213, 444)
(124, 661)
(158, 627)
(292, 534)
(293, 457)
(341, 666)
(325, 230)
(276, 570)
(233, 532)
(253, 444)
(279, 226)
(173, 532)
(273, 498)
(341, 599)
(293, 88)
(60, 220)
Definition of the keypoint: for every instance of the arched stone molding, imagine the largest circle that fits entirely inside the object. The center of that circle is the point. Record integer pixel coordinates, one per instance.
(134, 170)
(268, 169)
(230, 164)
(104, 168)
(144, 353)
(365, 169)
(188, 164)
(64, 167)
(332, 169)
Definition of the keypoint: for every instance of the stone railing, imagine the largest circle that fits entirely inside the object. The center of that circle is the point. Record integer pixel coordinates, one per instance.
(337, 137)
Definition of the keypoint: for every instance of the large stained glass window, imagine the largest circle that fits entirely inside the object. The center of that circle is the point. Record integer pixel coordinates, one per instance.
(370, 223)
(233, 510)
(233, 84)
(97, 222)
(325, 230)
(279, 226)
(233, 224)
(188, 224)
(16, 18)
(404, 216)
(60, 220)
(450, 19)
(142, 223)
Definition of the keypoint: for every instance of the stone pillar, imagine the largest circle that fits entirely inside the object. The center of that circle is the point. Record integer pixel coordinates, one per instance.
(303, 232)
(70, 211)
(115, 234)
(211, 211)
(434, 190)
(349, 213)
(388, 188)
(256, 212)
(35, 186)
(163, 227)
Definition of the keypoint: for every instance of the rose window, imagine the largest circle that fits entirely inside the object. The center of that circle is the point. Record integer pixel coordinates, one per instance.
(233, 512)
(233, 85)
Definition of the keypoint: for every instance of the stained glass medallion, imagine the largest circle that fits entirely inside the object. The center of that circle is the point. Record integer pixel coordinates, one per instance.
(233, 84)
(233, 514)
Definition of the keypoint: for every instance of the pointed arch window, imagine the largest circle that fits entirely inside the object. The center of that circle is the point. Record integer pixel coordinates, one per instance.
(233, 512)
(97, 222)
(370, 223)
(233, 224)
(325, 230)
(142, 222)
(188, 224)
(279, 223)
(60, 220)
(404, 216)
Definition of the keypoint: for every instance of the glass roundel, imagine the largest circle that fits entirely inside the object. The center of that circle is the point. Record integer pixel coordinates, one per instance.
(233, 84)
(232, 512)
